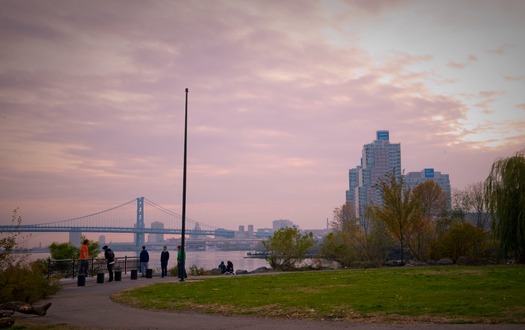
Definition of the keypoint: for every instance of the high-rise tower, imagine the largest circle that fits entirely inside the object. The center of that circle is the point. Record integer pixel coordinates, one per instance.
(378, 158)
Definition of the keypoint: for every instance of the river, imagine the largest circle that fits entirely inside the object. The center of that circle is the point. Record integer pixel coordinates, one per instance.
(202, 259)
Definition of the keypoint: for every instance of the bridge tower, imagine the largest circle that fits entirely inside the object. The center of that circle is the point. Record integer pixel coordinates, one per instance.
(139, 235)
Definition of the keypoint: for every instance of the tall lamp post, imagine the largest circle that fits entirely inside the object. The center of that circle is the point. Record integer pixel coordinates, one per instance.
(182, 240)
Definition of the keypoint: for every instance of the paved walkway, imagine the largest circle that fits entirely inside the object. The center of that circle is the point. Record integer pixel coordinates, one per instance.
(90, 306)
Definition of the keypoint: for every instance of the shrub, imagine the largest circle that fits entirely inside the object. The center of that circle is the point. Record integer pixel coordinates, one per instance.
(26, 282)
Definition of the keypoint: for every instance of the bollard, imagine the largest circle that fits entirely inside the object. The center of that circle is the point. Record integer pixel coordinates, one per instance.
(133, 275)
(100, 278)
(118, 275)
(149, 273)
(81, 280)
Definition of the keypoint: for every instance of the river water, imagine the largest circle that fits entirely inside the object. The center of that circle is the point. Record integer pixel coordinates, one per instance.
(202, 259)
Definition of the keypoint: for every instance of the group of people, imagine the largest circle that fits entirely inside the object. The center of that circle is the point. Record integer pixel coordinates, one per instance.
(228, 268)
(164, 258)
(109, 255)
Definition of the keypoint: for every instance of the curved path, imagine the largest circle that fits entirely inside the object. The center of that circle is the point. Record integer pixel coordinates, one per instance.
(90, 306)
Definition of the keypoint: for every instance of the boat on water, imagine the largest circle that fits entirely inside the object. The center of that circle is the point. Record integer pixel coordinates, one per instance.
(259, 255)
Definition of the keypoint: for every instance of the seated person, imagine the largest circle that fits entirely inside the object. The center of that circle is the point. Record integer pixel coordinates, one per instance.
(229, 268)
(222, 267)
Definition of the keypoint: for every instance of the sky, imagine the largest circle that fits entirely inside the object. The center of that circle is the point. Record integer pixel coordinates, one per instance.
(282, 97)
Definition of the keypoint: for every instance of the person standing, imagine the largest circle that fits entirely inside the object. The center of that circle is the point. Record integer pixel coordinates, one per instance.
(110, 257)
(164, 257)
(144, 259)
(180, 264)
(84, 255)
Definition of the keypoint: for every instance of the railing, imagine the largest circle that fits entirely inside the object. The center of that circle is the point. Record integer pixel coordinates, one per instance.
(69, 268)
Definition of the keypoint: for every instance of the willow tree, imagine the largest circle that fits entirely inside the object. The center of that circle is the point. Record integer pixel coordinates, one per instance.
(505, 198)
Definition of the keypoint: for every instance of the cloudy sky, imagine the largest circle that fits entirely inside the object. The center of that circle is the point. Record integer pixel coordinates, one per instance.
(282, 97)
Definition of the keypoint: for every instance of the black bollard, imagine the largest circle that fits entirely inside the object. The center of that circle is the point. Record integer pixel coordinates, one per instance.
(81, 280)
(100, 278)
(118, 275)
(133, 275)
(149, 273)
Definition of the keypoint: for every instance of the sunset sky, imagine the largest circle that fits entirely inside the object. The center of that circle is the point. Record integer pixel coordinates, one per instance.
(282, 97)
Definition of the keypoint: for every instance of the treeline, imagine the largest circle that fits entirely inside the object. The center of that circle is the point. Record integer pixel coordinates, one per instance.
(418, 225)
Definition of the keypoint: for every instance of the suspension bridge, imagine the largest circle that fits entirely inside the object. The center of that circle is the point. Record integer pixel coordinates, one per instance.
(127, 218)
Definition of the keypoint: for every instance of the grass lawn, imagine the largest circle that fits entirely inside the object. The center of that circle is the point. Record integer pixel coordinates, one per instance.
(491, 294)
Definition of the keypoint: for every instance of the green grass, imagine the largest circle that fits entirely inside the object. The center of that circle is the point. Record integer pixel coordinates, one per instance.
(494, 294)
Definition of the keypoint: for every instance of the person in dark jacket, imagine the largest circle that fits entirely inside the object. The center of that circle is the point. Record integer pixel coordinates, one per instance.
(110, 257)
(144, 259)
(229, 267)
(164, 257)
(222, 267)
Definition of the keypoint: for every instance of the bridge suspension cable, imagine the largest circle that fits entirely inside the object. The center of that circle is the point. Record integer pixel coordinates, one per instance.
(89, 215)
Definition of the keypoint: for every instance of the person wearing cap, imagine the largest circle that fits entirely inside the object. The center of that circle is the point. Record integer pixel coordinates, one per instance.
(180, 265)
(110, 257)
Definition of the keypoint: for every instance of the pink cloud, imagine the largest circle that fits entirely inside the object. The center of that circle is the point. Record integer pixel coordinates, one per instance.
(93, 96)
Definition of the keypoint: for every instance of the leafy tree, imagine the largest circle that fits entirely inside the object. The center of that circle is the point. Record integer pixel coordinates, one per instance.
(287, 247)
(60, 251)
(462, 239)
(431, 203)
(351, 241)
(397, 209)
(342, 244)
(505, 199)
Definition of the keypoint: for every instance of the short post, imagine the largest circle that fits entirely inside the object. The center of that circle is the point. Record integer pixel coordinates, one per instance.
(81, 280)
(149, 273)
(100, 278)
(118, 275)
(133, 275)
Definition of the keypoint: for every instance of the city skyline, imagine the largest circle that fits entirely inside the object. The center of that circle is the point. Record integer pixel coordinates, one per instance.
(282, 98)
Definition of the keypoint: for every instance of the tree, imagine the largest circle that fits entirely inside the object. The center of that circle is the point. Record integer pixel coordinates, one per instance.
(462, 239)
(505, 199)
(287, 247)
(342, 245)
(353, 240)
(61, 251)
(20, 278)
(397, 209)
(10, 242)
(471, 201)
(430, 203)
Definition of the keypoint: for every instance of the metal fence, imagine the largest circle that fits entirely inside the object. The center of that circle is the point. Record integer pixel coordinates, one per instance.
(69, 268)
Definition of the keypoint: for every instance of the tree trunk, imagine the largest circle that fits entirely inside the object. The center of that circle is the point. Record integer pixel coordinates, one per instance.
(24, 308)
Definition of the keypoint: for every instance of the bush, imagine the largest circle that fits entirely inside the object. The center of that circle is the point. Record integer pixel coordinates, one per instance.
(27, 282)
(196, 271)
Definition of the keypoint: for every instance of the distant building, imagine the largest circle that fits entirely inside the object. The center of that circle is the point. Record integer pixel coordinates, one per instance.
(74, 237)
(378, 158)
(282, 223)
(412, 179)
(264, 232)
(156, 238)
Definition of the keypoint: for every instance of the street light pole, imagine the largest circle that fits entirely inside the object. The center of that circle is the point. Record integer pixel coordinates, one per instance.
(182, 241)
